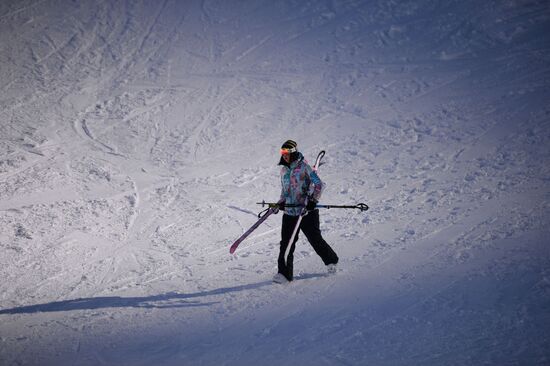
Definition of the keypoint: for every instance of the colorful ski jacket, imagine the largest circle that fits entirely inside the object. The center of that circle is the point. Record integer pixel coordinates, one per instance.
(298, 181)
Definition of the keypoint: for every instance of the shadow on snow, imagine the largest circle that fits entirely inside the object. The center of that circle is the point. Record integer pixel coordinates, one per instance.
(168, 300)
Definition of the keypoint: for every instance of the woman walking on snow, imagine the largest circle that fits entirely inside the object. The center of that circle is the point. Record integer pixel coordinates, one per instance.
(299, 181)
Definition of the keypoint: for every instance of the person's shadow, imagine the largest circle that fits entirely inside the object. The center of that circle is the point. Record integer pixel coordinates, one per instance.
(168, 300)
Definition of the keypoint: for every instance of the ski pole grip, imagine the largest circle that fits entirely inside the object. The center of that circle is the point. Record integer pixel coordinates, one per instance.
(268, 204)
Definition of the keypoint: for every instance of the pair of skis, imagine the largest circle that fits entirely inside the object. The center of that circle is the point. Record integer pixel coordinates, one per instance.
(269, 211)
(274, 208)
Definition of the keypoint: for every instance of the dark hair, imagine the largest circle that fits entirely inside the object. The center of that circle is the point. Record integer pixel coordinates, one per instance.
(293, 157)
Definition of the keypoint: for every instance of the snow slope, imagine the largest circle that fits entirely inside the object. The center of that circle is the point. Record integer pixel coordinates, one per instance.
(137, 136)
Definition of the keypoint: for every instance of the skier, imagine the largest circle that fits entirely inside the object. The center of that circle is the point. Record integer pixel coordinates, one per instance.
(300, 183)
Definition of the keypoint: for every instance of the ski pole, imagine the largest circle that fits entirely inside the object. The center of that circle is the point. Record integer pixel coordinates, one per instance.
(360, 206)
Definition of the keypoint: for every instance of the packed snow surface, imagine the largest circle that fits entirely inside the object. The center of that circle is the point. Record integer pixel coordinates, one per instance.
(137, 136)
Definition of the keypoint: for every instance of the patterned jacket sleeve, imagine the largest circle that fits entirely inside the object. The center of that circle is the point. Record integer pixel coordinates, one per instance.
(282, 196)
(318, 185)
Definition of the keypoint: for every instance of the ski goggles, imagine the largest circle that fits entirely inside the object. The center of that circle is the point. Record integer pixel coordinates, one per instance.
(286, 151)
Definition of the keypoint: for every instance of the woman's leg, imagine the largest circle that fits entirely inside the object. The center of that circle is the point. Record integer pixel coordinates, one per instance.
(286, 264)
(310, 227)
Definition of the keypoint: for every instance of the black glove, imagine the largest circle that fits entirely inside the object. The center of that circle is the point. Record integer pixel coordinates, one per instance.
(279, 206)
(311, 204)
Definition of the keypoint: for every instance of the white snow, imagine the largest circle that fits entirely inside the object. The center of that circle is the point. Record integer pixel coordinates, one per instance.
(137, 136)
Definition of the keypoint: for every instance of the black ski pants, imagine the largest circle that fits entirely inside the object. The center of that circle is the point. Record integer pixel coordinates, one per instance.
(310, 227)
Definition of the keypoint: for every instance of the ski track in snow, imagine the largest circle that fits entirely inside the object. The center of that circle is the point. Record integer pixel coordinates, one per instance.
(137, 137)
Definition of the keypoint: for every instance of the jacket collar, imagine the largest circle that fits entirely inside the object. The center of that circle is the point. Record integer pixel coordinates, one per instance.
(294, 163)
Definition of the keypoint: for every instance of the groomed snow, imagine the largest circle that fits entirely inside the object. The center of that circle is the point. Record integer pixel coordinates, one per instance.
(137, 136)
